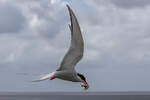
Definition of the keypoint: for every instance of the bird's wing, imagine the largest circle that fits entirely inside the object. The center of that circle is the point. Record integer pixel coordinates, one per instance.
(75, 52)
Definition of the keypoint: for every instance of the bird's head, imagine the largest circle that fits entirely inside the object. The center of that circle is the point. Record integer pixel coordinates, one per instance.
(83, 80)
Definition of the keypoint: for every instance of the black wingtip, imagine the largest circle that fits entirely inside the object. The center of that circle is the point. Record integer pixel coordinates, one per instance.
(69, 8)
(70, 12)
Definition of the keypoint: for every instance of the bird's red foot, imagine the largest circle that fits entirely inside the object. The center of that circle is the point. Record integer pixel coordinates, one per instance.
(52, 77)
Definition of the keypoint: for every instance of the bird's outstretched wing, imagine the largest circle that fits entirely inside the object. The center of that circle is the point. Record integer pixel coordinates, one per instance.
(75, 52)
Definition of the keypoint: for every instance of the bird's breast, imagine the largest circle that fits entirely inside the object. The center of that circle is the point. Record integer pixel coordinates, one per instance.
(67, 75)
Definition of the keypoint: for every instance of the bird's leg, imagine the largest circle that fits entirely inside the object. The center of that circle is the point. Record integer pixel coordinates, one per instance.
(52, 77)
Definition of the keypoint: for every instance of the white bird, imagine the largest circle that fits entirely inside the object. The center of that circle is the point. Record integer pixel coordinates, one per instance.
(67, 71)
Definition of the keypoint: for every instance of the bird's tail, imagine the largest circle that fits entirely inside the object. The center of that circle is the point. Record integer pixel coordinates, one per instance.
(43, 77)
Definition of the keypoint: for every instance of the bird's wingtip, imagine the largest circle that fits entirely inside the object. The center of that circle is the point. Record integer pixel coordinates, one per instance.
(67, 5)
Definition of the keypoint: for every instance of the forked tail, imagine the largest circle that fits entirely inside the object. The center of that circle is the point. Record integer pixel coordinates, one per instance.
(44, 77)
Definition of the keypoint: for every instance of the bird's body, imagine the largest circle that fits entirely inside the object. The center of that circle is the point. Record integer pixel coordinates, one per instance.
(66, 71)
(67, 75)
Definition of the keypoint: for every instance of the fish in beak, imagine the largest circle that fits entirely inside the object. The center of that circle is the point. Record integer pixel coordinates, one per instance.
(85, 85)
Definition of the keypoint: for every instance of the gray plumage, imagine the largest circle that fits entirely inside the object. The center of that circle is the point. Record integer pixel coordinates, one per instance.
(66, 71)
(75, 52)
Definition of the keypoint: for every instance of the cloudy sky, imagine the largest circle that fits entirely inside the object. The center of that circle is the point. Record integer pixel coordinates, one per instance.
(34, 36)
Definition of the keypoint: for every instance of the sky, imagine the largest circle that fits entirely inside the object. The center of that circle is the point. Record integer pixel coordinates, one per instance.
(34, 37)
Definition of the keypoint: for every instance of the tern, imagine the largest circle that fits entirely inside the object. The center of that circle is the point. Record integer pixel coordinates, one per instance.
(67, 71)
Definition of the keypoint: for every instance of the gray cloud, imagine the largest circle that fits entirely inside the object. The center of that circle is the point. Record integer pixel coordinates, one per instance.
(11, 19)
(44, 18)
(131, 3)
(127, 4)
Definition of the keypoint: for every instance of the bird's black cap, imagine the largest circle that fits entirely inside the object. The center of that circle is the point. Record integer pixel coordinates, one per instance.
(81, 76)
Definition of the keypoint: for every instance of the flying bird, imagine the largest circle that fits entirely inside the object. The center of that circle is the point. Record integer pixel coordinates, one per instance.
(67, 71)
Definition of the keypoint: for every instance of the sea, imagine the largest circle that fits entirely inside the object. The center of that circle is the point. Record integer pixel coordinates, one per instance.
(74, 95)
